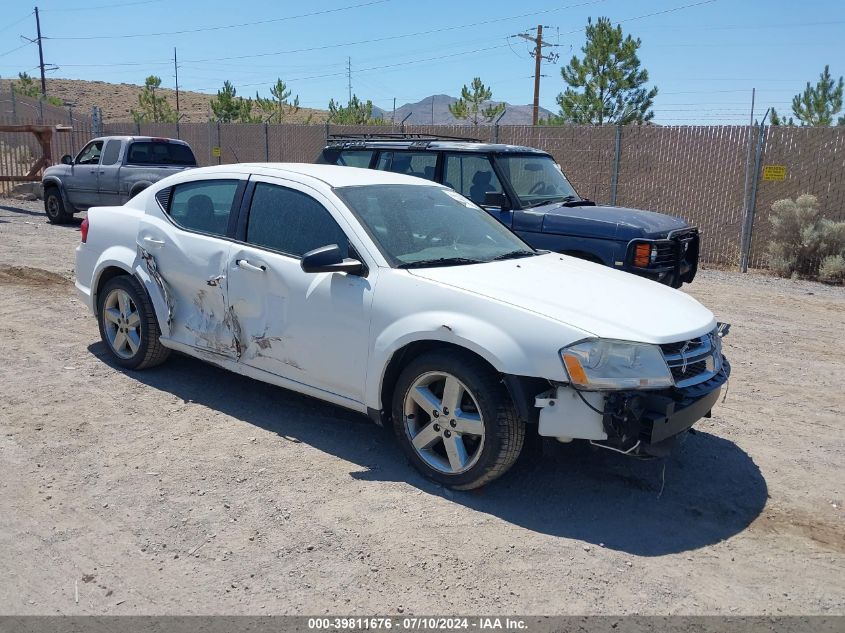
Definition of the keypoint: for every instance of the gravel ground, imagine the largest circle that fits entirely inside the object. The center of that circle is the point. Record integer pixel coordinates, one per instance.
(186, 489)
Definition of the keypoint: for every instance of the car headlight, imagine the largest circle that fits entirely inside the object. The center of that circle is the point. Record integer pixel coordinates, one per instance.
(607, 365)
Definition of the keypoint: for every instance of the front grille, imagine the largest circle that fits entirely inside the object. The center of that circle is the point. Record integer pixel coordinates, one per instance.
(694, 361)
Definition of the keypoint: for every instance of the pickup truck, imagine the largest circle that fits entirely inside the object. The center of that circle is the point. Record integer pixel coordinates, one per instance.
(527, 191)
(400, 299)
(109, 171)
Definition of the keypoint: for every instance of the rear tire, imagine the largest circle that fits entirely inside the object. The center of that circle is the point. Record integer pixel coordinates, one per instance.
(54, 206)
(128, 324)
(455, 420)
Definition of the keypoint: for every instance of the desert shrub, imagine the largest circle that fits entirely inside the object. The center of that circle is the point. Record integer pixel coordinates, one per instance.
(832, 269)
(801, 239)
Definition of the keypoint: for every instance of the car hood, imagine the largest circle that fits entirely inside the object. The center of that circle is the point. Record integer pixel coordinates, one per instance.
(617, 223)
(600, 301)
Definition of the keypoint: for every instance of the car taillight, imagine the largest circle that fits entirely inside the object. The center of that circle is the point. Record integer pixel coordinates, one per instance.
(83, 229)
(644, 254)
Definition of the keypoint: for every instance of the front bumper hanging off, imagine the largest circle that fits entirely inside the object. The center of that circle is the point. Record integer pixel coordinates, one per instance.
(637, 422)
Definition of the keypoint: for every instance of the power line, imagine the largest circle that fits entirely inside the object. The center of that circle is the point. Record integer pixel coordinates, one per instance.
(225, 26)
(16, 22)
(395, 37)
(17, 48)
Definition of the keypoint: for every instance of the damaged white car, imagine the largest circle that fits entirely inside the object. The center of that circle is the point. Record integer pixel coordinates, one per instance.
(398, 298)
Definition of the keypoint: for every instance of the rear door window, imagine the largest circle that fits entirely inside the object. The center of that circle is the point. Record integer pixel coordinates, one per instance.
(160, 153)
(111, 152)
(203, 206)
(471, 175)
(355, 158)
(419, 164)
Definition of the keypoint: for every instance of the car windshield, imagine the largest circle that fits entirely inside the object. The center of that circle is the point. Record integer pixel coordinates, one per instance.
(536, 179)
(420, 225)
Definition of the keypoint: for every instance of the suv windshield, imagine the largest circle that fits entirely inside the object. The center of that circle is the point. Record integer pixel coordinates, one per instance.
(420, 225)
(535, 179)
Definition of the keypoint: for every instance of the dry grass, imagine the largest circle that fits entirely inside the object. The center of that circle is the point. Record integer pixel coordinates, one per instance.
(116, 100)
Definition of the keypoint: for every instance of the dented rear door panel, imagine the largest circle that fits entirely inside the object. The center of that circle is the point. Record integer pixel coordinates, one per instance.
(190, 270)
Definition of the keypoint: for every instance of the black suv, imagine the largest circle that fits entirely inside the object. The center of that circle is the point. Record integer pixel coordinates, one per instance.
(527, 191)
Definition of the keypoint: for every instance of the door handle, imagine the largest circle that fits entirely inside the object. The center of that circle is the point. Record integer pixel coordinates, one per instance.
(155, 243)
(242, 263)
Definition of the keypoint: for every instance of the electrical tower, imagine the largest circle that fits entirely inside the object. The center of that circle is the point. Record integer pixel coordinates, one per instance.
(349, 76)
(537, 53)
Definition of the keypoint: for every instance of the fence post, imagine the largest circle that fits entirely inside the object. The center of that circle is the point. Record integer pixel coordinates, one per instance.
(748, 220)
(96, 121)
(219, 144)
(266, 143)
(617, 154)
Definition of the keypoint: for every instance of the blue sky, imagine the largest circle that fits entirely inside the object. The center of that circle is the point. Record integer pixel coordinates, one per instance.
(705, 59)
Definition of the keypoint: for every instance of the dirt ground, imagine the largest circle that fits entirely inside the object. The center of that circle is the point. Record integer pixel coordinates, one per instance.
(189, 490)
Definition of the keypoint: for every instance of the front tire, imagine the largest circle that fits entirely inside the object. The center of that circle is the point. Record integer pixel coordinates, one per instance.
(54, 207)
(455, 420)
(128, 324)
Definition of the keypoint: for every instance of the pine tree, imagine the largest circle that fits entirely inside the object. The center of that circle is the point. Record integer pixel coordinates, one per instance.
(152, 107)
(356, 112)
(471, 104)
(27, 87)
(607, 85)
(819, 104)
(278, 107)
(228, 107)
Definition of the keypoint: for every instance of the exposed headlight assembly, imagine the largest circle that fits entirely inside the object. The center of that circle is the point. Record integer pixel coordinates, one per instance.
(607, 365)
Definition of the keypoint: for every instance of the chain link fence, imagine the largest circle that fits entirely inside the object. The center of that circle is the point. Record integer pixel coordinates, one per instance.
(695, 172)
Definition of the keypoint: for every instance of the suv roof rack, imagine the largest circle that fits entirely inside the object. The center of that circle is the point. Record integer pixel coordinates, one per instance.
(403, 136)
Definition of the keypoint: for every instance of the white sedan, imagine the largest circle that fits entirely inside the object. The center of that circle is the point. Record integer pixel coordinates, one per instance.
(400, 299)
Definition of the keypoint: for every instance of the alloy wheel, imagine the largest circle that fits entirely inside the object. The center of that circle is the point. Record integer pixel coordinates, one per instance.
(444, 423)
(122, 323)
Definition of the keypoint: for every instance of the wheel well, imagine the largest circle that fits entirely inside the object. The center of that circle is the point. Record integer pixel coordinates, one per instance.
(522, 389)
(138, 188)
(107, 275)
(405, 355)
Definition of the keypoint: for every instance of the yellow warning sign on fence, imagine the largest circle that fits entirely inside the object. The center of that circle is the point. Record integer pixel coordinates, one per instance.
(774, 172)
(215, 151)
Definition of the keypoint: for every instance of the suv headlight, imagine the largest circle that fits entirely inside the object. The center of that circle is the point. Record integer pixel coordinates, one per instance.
(607, 365)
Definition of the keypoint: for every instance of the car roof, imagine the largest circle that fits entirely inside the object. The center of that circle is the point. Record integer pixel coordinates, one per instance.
(139, 138)
(433, 145)
(331, 175)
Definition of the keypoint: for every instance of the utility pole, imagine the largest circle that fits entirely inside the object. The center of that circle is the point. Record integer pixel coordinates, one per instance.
(40, 55)
(349, 76)
(176, 72)
(538, 57)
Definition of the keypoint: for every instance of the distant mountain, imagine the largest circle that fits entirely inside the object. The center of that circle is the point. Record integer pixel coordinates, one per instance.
(436, 108)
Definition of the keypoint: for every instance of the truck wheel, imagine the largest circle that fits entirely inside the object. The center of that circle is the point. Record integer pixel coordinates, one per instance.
(136, 190)
(128, 324)
(455, 420)
(54, 206)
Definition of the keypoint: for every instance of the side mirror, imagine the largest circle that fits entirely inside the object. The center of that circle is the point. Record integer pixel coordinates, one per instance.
(494, 199)
(327, 259)
(67, 159)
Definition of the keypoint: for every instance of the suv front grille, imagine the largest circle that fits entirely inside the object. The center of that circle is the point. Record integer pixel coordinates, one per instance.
(694, 361)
